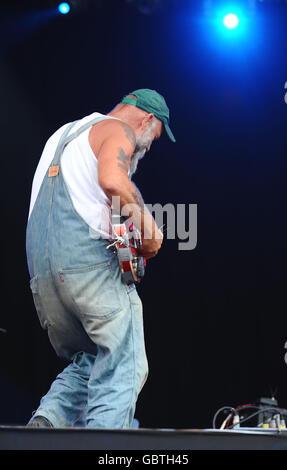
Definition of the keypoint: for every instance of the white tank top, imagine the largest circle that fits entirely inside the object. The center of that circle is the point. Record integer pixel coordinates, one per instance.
(80, 171)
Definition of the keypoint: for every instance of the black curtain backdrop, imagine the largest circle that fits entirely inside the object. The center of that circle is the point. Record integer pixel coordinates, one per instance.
(214, 317)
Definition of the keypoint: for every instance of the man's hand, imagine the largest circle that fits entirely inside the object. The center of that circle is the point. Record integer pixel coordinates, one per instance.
(148, 250)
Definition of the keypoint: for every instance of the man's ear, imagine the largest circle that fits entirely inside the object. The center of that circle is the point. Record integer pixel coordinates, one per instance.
(147, 121)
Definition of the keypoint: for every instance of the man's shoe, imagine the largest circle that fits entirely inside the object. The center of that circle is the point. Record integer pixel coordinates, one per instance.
(40, 422)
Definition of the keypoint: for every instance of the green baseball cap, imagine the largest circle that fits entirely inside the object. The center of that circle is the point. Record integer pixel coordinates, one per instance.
(152, 102)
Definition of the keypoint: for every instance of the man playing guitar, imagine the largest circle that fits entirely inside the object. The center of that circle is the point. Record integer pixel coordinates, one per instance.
(91, 311)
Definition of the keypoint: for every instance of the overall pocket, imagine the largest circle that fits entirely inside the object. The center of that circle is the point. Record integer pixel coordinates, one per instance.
(91, 290)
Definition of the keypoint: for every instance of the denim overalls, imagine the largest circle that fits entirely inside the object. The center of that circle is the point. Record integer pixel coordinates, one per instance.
(92, 318)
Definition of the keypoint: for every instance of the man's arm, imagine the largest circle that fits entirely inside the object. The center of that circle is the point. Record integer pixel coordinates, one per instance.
(159, 233)
(113, 165)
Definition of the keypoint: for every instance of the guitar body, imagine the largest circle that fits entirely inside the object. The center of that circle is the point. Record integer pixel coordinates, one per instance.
(127, 242)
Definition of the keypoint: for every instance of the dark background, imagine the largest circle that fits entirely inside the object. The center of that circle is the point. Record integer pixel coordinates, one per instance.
(215, 317)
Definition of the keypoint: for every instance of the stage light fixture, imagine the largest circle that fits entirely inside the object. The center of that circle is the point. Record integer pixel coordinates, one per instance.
(64, 8)
(231, 21)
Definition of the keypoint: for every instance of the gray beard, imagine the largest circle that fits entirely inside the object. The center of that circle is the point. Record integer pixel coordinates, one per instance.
(137, 155)
(141, 145)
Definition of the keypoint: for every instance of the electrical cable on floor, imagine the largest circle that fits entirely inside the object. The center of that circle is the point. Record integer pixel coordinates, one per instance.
(279, 413)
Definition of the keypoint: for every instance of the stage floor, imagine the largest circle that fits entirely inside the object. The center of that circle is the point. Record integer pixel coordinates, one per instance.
(23, 438)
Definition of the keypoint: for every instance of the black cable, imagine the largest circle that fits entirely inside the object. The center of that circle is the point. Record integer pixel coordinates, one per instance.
(280, 411)
(240, 408)
(219, 411)
(261, 410)
(234, 410)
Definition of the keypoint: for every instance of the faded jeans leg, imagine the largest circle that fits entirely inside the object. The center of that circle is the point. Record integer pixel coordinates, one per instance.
(68, 395)
(120, 369)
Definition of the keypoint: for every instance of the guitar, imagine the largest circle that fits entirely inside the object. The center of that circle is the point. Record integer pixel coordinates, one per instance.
(127, 241)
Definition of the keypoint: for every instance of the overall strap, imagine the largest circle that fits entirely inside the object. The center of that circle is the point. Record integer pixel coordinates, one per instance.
(66, 139)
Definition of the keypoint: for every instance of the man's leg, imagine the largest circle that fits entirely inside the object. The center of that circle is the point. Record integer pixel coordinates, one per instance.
(68, 394)
(120, 369)
(104, 386)
(110, 322)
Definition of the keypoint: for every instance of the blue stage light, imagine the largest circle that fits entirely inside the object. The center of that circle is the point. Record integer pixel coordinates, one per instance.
(230, 21)
(64, 8)
(233, 22)
(230, 27)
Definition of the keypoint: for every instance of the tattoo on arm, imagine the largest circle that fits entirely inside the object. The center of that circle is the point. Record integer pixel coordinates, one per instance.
(123, 159)
(122, 156)
(129, 134)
